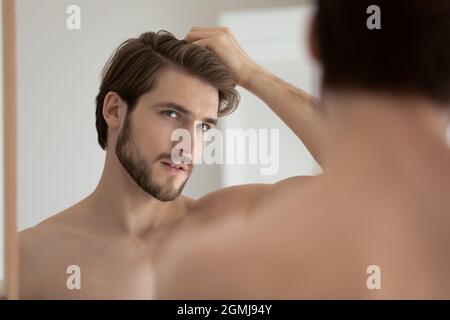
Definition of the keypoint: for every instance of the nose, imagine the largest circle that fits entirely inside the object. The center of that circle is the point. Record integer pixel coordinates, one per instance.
(186, 156)
(187, 144)
(197, 141)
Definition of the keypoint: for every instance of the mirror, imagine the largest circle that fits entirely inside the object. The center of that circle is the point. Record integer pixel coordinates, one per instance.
(61, 160)
(61, 51)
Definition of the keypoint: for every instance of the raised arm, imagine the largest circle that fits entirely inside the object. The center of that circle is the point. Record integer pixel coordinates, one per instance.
(299, 110)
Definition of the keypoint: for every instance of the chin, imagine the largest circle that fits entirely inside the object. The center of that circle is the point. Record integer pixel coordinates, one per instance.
(169, 196)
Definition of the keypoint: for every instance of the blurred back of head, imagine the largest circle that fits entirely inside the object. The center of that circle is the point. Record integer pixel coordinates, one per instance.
(409, 54)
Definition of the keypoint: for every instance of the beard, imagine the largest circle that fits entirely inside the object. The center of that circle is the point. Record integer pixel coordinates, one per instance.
(137, 167)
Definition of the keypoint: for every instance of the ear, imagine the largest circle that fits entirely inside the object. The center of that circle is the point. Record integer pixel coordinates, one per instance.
(114, 110)
(313, 40)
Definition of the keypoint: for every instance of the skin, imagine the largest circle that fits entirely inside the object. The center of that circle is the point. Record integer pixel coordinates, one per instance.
(383, 201)
(119, 234)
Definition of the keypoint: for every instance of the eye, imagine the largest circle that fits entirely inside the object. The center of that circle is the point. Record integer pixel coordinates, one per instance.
(171, 114)
(205, 127)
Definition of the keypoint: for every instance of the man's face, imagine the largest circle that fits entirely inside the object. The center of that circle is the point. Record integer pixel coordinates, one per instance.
(144, 143)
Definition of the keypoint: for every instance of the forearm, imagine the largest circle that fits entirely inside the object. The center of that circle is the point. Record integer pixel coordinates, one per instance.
(299, 110)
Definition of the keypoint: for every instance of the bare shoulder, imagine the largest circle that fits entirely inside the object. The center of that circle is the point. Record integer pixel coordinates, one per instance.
(41, 235)
(40, 249)
(293, 184)
(228, 260)
(240, 200)
(34, 250)
(49, 231)
(230, 197)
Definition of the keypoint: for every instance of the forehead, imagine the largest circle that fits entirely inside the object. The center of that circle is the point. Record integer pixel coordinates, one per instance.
(186, 90)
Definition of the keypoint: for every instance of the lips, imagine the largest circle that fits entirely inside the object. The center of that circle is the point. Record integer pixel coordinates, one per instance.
(178, 167)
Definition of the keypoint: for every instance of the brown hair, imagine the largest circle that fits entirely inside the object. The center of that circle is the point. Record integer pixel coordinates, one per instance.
(134, 67)
(409, 54)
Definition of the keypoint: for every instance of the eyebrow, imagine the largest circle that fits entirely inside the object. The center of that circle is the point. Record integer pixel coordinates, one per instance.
(184, 110)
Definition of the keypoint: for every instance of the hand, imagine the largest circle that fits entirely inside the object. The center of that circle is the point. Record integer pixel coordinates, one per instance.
(222, 42)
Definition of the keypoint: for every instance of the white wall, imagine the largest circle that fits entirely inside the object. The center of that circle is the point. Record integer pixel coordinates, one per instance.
(280, 45)
(60, 161)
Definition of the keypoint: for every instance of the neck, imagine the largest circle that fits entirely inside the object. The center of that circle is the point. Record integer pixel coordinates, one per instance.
(120, 205)
(382, 135)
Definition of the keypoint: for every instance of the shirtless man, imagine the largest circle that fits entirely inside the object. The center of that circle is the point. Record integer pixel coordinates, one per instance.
(376, 224)
(112, 239)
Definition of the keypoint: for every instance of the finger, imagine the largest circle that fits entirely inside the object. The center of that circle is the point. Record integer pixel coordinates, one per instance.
(211, 44)
(199, 35)
(205, 43)
(207, 32)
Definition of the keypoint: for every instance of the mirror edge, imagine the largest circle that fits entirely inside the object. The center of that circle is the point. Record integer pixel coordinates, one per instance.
(11, 274)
